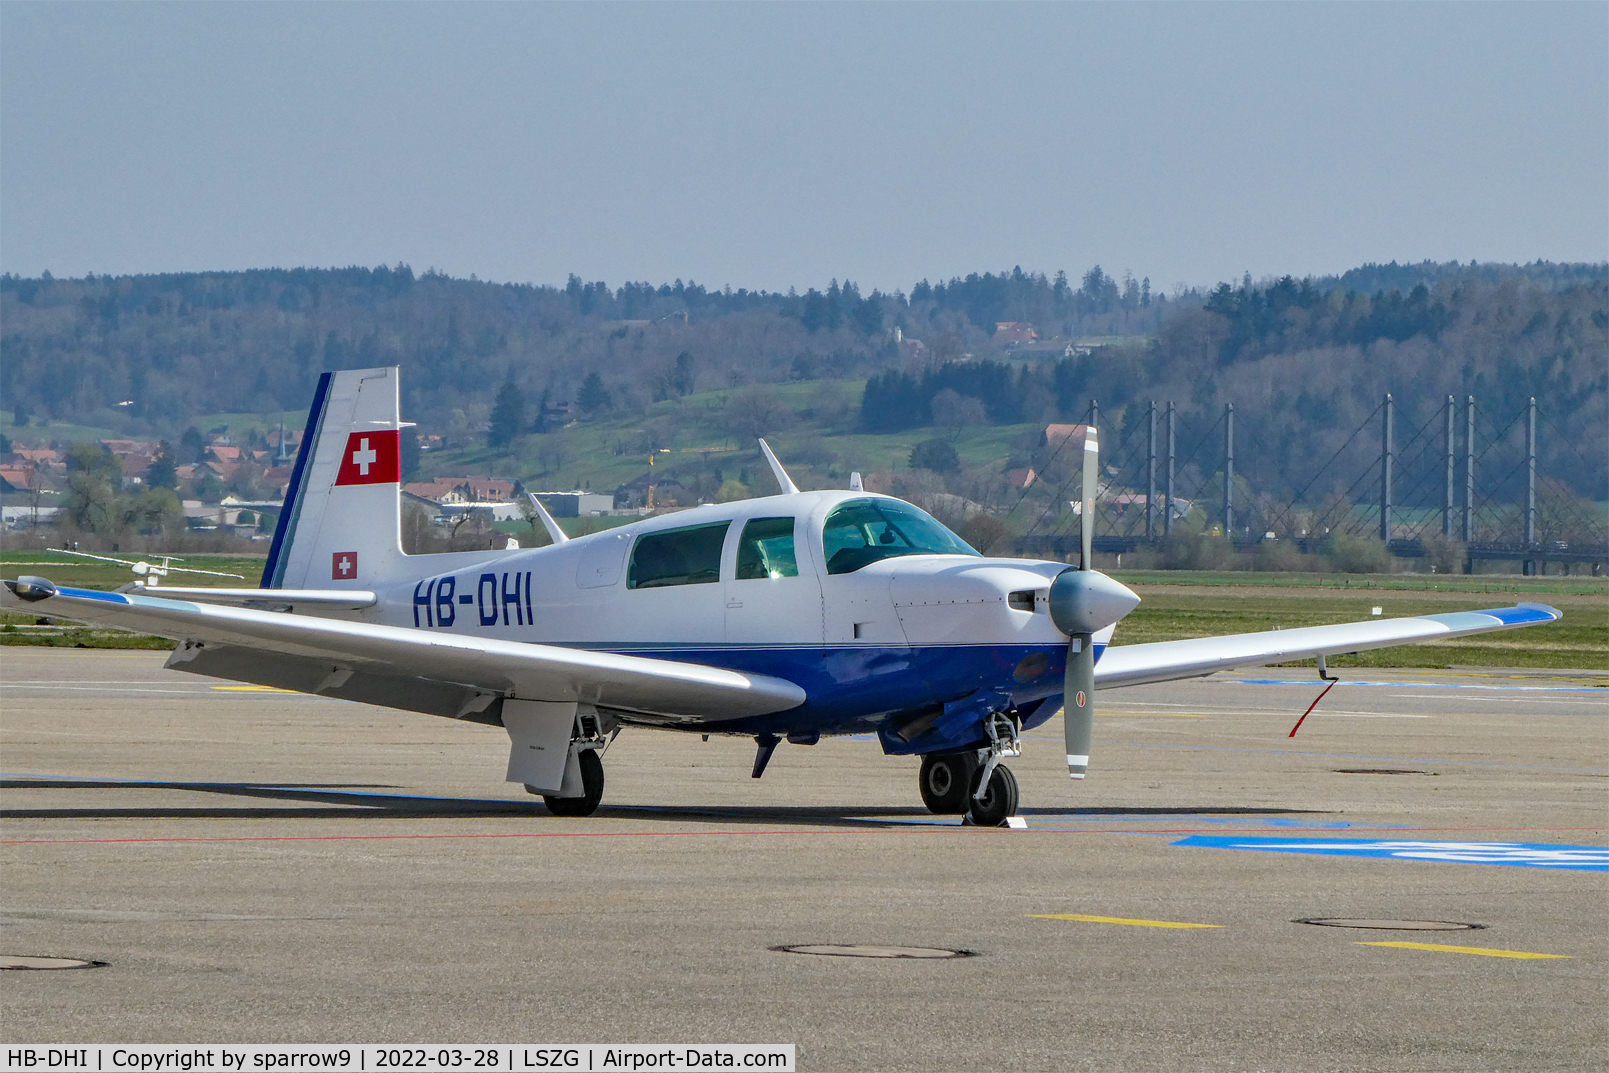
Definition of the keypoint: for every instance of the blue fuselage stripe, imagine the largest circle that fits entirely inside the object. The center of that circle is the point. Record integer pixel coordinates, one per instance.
(862, 689)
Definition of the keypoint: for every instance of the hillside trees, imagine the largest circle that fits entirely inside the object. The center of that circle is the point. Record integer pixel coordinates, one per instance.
(1306, 361)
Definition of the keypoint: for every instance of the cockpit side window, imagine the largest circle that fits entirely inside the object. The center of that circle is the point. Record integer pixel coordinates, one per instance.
(862, 531)
(766, 549)
(690, 556)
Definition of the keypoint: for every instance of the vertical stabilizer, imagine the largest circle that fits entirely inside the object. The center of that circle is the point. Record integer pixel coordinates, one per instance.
(341, 524)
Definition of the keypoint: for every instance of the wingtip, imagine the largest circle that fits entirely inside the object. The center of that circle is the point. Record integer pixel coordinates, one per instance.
(1547, 609)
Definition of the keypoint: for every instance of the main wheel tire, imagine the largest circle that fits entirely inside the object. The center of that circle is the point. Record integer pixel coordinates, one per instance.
(591, 785)
(999, 800)
(945, 780)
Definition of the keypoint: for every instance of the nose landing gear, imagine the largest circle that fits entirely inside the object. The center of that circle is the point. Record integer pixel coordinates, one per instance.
(993, 802)
(974, 782)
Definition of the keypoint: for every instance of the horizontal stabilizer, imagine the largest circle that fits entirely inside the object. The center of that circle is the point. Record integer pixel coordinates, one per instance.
(327, 599)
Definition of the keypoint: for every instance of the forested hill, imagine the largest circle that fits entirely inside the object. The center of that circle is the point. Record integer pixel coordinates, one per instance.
(1313, 354)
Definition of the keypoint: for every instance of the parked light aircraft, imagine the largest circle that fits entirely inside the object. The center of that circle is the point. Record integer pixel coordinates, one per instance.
(786, 617)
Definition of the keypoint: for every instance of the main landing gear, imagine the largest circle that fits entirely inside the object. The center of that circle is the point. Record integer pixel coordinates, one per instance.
(974, 781)
(582, 787)
(591, 788)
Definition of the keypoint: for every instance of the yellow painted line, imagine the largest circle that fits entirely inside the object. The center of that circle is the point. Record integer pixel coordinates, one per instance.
(253, 689)
(1114, 712)
(1120, 920)
(1487, 951)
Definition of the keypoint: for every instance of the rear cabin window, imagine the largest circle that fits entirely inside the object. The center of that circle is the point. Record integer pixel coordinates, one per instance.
(766, 549)
(863, 531)
(690, 556)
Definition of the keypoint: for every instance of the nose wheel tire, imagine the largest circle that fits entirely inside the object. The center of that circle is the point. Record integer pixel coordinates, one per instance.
(999, 800)
(947, 780)
(591, 785)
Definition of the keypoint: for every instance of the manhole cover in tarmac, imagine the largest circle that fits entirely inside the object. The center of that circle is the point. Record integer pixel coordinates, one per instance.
(829, 950)
(1391, 925)
(29, 961)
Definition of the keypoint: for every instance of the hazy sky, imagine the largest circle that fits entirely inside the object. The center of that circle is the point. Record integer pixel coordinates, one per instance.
(777, 145)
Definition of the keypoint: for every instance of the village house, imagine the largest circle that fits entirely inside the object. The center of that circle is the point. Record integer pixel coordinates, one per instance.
(456, 490)
(1011, 333)
(47, 459)
(22, 478)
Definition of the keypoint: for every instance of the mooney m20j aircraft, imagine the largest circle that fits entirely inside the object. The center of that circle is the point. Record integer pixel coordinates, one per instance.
(787, 617)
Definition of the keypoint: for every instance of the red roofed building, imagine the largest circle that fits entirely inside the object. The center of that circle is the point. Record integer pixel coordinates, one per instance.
(23, 478)
(462, 489)
(1021, 478)
(1014, 333)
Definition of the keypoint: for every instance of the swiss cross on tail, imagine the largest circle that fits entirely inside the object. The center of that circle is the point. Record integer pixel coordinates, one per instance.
(343, 566)
(371, 458)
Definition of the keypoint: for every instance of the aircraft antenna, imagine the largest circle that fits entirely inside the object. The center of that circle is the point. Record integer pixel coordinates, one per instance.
(547, 519)
(788, 487)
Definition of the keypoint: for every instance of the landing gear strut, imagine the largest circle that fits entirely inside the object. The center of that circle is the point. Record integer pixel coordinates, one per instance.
(994, 796)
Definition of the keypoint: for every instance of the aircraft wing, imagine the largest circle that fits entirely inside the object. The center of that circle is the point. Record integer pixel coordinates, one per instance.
(408, 668)
(1163, 661)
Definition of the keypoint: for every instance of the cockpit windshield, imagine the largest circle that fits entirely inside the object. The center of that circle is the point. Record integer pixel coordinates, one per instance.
(862, 531)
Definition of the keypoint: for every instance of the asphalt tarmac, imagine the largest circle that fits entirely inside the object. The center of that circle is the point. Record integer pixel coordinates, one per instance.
(261, 867)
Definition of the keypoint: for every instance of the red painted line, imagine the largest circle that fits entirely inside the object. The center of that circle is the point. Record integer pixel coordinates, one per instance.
(370, 838)
(1306, 832)
(920, 828)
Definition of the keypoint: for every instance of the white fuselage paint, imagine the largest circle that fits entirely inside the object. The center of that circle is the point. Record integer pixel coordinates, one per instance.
(576, 593)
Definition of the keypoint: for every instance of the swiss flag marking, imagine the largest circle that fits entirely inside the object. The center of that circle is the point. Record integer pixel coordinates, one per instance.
(344, 566)
(371, 458)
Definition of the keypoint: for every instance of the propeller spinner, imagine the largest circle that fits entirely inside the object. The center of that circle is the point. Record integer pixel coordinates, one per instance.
(1082, 601)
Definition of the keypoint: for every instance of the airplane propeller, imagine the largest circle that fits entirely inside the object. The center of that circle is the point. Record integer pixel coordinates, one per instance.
(1082, 601)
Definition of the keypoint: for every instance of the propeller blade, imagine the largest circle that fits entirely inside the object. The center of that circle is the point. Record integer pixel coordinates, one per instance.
(1087, 506)
(1078, 710)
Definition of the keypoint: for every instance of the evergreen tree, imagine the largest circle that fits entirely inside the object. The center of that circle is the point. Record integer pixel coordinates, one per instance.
(594, 397)
(508, 415)
(193, 443)
(682, 377)
(161, 473)
(936, 455)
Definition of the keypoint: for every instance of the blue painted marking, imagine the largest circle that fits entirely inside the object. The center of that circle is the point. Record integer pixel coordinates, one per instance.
(1520, 854)
(1185, 818)
(1513, 616)
(95, 594)
(1416, 685)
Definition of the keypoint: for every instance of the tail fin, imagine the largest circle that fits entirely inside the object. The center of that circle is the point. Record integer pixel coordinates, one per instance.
(341, 524)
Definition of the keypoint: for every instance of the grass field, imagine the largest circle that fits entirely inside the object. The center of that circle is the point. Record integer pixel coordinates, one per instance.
(1209, 605)
(1175, 605)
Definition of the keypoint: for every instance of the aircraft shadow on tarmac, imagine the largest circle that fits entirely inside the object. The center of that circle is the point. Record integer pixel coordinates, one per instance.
(349, 801)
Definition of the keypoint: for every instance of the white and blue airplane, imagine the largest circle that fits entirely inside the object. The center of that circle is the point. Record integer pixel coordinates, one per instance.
(787, 617)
